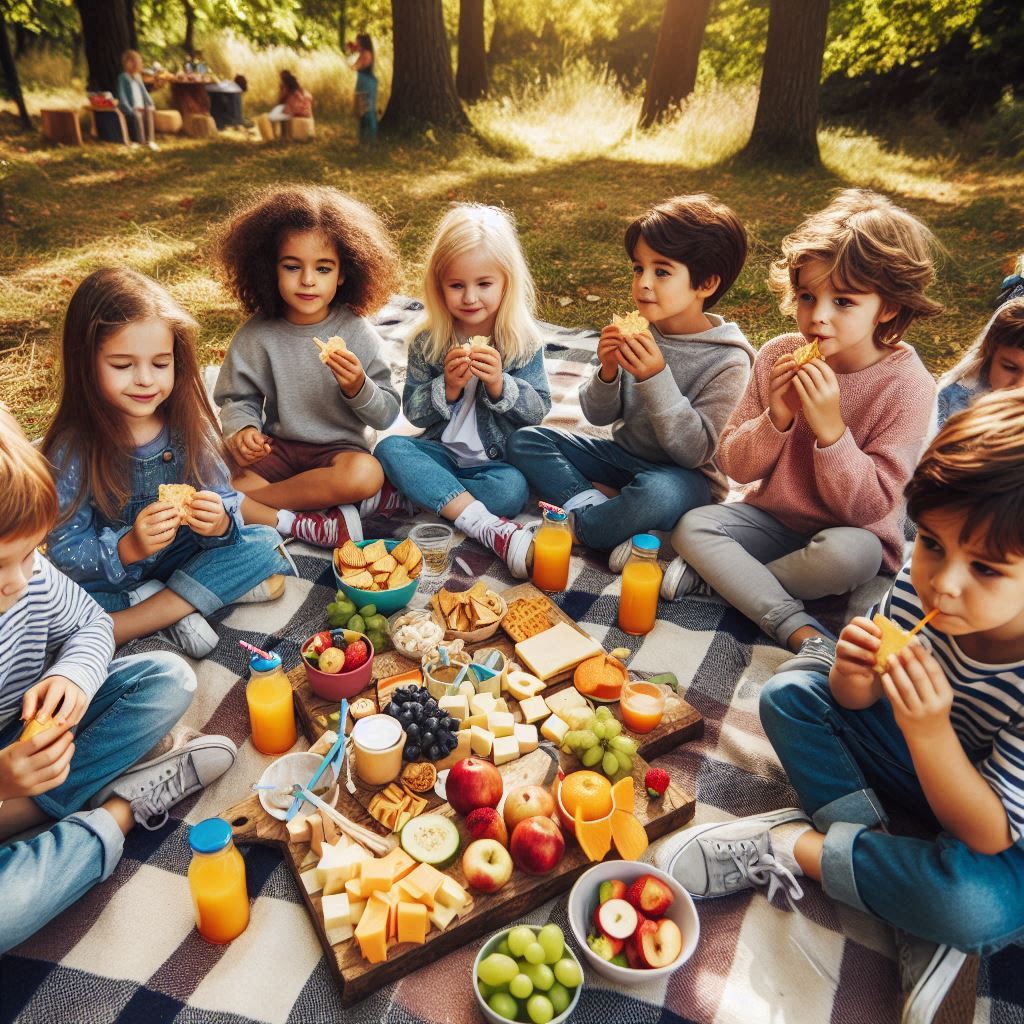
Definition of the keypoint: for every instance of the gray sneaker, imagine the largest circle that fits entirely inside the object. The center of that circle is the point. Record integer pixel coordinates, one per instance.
(939, 982)
(681, 580)
(816, 654)
(193, 634)
(154, 787)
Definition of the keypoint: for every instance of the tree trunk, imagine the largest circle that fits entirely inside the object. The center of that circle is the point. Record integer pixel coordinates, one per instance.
(133, 36)
(786, 123)
(21, 38)
(190, 29)
(471, 77)
(105, 35)
(342, 24)
(674, 69)
(10, 70)
(422, 86)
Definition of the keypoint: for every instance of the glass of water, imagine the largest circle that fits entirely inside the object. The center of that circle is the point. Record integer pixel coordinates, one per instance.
(434, 541)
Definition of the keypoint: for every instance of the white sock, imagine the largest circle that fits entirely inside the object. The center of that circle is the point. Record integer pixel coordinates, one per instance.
(474, 517)
(285, 522)
(784, 839)
(585, 499)
(369, 505)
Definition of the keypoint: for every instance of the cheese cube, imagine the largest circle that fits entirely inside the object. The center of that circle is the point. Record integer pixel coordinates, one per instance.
(336, 911)
(372, 931)
(380, 874)
(354, 888)
(523, 685)
(324, 744)
(337, 864)
(526, 737)
(427, 880)
(412, 922)
(481, 741)
(555, 729)
(331, 831)
(342, 933)
(481, 703)
(501, 705)
(477, 720)
(390, 897)
(461, 751)
(570, 697)
(355, 911)
(311, 881)
(534, 709)
(316, 834)
(298, 830)
(451, 894)
(505, 749)
(441, 916)
(455, 707)
(491, 685)
(500, 724)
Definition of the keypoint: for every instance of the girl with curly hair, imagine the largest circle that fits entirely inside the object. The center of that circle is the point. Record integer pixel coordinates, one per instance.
(300, 419)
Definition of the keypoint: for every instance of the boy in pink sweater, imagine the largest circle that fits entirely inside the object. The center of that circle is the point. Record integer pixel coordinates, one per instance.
(828, 431)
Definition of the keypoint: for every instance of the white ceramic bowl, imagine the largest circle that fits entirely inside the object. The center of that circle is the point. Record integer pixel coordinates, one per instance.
(489, 947)
(583, 902)
(289, 769)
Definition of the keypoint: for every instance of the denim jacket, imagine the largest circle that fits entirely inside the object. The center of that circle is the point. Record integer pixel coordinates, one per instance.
(84, 546)
(525, 399)
(125, 96)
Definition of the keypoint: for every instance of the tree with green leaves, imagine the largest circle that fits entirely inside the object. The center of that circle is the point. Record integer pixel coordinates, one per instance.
(674, 70)
(471, 76)
(10, 69)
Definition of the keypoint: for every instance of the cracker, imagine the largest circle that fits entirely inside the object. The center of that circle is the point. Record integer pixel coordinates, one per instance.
(350, 554)
(334, 344)
(361, 580)
(400, 552)
(807, 353)
(526, 617)
(178, 495)
(398, 578)
(378, 549)
(630, 324)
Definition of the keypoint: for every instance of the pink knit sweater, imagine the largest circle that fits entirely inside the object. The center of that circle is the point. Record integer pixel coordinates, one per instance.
(858, 480)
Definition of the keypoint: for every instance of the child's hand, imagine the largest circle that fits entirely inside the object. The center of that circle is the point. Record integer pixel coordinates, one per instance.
(155, 527)
(37, 765)
(608, 352)
(854, 668)
(918, 691)
(458, 368)
(783, 402)
(54, 697)
(485, 363)
(639, 355)
(248, 445)
(818, 387)
(207, 516)
(347, 370)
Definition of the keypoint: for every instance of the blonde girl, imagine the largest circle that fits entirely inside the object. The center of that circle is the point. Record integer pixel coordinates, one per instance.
(476, 374)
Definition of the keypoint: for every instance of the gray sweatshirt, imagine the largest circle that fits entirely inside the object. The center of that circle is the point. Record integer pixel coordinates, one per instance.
(272, 379)
(675, 416)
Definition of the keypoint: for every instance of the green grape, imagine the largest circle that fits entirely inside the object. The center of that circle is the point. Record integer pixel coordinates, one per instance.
(568, 973)
(603, 713)
(625, 761)
(540, 974)
(503, 1005)
(623, 744)
(560, 998)
(504, 948)
(519, 938)
(598, 730)
(588, 740)
(497, 969)
(534, 953)
(539, 1009)
(485, 990)
(553, 941)
(612, 729)
(590, 757)
(609, 764)
(521, 986)
(591, 722)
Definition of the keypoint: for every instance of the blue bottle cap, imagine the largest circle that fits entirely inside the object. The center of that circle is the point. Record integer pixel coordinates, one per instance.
(258, 664)
(645, 542)
(555, 517)
(209, 836)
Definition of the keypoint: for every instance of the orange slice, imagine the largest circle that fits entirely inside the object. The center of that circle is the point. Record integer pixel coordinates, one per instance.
(623, 795)
(594, 837)
(629, 835)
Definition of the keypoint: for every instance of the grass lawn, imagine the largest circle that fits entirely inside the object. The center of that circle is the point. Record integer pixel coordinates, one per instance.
(66, 211)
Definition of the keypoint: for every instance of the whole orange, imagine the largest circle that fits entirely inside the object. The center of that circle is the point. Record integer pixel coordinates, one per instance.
(591, 792)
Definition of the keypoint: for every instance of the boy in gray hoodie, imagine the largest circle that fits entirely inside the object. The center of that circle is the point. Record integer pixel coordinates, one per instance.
(667, 389)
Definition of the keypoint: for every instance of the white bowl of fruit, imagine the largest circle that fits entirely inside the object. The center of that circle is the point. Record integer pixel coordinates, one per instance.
(527, 974)
(633, 922)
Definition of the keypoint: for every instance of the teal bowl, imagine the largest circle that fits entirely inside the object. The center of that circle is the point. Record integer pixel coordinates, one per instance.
(387, 601)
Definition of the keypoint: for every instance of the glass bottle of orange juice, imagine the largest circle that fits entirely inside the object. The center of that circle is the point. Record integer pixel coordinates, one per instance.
(641, 581)
(552, 546)
(271, 711)
(216, 878)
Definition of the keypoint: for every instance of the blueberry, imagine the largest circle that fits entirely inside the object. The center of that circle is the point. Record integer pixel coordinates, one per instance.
(449, 724)
(412, 730)
(411, 752)
(434, 753)
(427, 738)
(394, 710)
(406, 719)
(431, 724)
(451, 743)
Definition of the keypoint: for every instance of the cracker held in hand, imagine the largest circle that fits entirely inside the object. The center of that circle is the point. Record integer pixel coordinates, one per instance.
(894, 638)
(178, 495)
(334, 344)
(630, 324)
(477, 341)
(807, 353)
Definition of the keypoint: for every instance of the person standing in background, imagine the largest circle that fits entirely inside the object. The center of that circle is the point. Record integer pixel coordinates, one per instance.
(366, 87)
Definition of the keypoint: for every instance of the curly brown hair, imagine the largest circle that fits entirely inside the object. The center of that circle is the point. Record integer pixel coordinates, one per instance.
(248, 244)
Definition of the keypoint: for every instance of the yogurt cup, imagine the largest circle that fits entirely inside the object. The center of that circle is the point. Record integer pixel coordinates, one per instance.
(377, 743)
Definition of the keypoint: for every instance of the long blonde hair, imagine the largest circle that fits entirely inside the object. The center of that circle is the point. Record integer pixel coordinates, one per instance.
(1005, 327)
(465, 228)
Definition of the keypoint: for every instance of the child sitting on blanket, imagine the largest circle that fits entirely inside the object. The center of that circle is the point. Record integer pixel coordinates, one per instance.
(307, 261)
(829, 429)
(938, 728)
(666, 391)
(476, 373)
(133, 418)
(995, 362)
(55, 649)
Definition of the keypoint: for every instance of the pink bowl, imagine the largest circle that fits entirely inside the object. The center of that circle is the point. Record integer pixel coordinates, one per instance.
(335, 685)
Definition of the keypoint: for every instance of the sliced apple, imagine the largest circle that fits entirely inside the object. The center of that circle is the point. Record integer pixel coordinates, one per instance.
(659, 942)
(616, 919)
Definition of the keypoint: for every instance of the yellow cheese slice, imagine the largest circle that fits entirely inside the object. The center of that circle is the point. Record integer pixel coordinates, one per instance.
(556, 650)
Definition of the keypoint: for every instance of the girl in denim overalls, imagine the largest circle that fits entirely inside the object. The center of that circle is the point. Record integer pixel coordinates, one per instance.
(134, 415)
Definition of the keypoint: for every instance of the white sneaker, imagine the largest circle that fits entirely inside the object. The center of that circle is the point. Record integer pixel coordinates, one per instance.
(619, 556)
(928, 973)
(153, 146)
(269, 590)
(680, 580)
(193, 634)
(154, 787)
(518, 554)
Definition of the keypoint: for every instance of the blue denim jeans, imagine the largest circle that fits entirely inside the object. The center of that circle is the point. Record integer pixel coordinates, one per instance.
(141, 699)
(426, 474)
(652, 496)
(842, 763)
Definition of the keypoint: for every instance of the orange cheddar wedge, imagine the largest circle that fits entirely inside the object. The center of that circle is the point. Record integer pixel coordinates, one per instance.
(372, 931)
(412, 922)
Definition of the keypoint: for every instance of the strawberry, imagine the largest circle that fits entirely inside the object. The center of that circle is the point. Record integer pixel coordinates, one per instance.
(656, 780)
(356, 654)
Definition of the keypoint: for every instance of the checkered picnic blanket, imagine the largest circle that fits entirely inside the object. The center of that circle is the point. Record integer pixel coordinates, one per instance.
(128, 951)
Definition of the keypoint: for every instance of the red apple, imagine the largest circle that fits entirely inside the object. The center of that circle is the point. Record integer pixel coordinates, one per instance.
(486, 865)
(659, 942)
(537, 845)
(616, 919)
(486, 823)
(650, 895)
(633, 957)
(612, 890)
(527, 802)
(473, 783)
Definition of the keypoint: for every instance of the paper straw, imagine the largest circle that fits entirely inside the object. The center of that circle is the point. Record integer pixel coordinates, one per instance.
(924, 622)
(255, 650)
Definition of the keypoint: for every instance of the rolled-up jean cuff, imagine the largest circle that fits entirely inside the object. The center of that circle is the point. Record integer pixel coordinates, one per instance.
(837, 874)
(861, 807)
(451, 497)
(782, 629)
(101, 824)
(206, 602)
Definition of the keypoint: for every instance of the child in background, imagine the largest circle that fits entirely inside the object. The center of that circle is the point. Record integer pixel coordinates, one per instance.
(292, 101)
(937, 730)
(307, 261)
(995, 362)
(470, 398)
(134, 415)
(55, 649)
(135, 102)
(666, 392)
(828, 444)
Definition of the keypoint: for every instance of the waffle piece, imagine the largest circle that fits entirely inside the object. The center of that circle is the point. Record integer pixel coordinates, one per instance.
(807, 353)
(630, 324)
(526, 617)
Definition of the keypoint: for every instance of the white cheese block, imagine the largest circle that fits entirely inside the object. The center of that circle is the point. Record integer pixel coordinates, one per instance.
(481, 741)
(502, 705)
(467, 690)
(555, 650)
(526, 737)
(336, 911)
(482, 703)
(534, 709)
(355, 911)
(451, 894)
(555, 729)
(455, 707)
(298, 830)
(441, 916)
(342, 933)
(501, 723)
(478, 720)
(338, 865)
(577, 717)
(506, 749)
(311, 881)
(570, 697)
(523, 685)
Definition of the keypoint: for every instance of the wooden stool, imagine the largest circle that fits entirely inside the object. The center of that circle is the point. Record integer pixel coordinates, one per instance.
(107, 124)
(60, 124)
(200, 126)
(168, 122)
(266, 128)
(301, 129)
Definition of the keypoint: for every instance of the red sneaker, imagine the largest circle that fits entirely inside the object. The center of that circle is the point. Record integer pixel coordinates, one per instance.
(387, 502)
(327, 529)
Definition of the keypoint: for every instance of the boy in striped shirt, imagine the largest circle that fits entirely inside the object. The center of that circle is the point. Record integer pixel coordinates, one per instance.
(101, 717)
(940, 731)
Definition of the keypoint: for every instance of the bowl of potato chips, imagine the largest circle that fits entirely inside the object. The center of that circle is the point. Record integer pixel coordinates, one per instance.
(384, 573)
